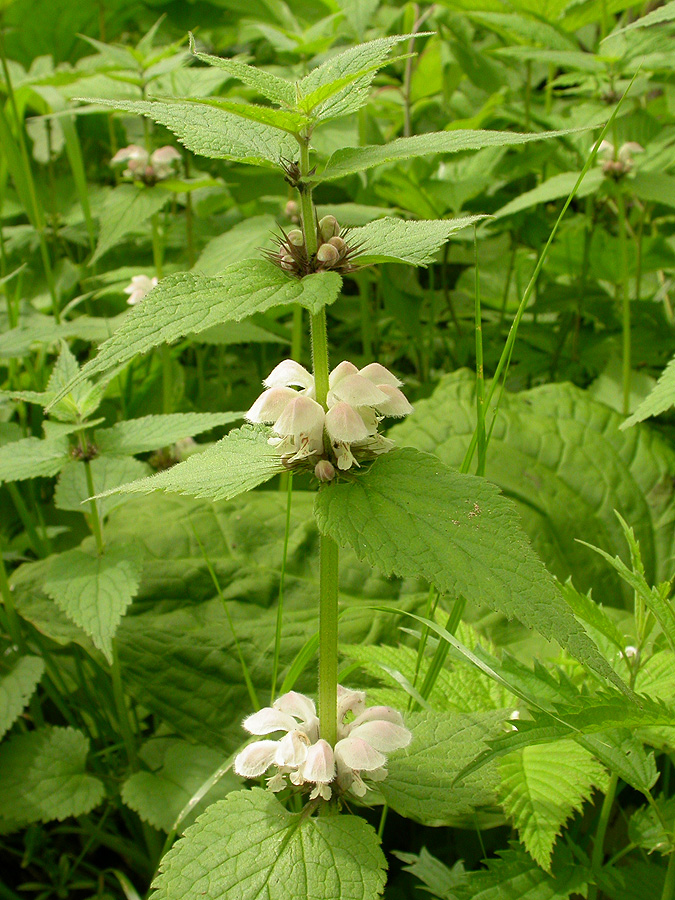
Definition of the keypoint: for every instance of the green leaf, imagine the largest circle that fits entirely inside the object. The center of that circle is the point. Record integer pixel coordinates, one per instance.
(32, 457)
(541, 786)
(43, 777)
(248, 846)
(241, 242)
(108, 472)
(411, 515)
(16, 688)
(397, 240)
(239, 462)
(439, 878)
(561, 457)
(421, 782)
(646, 829)
(513, 874)
(666, 13)
(660, 399)
(585, 608)
(215, 133)
(152, 432)
(95, 591)
(271, 86)
(349, 160)
(125, 209)
(347, 74)
(555, 188)
(188, 304)
(177, 771)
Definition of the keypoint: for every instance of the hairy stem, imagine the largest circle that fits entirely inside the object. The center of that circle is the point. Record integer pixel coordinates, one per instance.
(328, 639)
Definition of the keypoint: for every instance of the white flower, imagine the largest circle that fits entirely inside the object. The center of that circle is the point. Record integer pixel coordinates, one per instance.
(141, 166)
(619, 162)
(139, 286)
(356, 403)
(365, 736)
(164, 161)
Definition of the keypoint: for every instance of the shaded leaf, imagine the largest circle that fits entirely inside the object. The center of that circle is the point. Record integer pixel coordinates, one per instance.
(17, 687)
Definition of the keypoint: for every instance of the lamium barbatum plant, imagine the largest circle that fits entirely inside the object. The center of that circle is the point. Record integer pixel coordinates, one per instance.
(313, 768)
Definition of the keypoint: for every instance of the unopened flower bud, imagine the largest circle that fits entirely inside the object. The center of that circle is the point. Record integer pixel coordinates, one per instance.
(327, 255)
(328, 227)
(287, 263)
(291, 211)
(339, 244)
(324, 470)
(295, 237)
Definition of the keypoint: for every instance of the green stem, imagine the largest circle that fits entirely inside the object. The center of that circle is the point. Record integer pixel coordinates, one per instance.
(40, 547)
(320, 355)
(296, 336)
(95, 524)
(307, 211)
(480, 379)
(13, 623)
(328, 639)
(122, 710)
(599, 840)
(624, 298)
(669, 884)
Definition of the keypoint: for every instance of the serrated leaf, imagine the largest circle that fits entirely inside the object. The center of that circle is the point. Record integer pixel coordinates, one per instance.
(435, 875)
(17, 687)
(125, 209)
(513, 874)
(645, 828)
(159, 795)
(397, 240)
(271, 86)
(420, 784)
(344, 79)
(624, 754)
(32, 457)
(583, 606)
(152, 432)
(239, 462)
(43, 777)
(411, 515)
(560, 456)
(542, 786)
(95, 591)
(660, 399)
(187, 303)
(349, 160)
(107, 472)
(215, 133)
(248, 846)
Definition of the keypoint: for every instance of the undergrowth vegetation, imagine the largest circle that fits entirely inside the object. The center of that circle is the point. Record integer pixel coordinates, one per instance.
(337, 461)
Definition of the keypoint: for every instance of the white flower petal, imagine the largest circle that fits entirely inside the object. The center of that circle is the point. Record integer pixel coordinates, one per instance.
(292, 749)
(132, 152)
(255, 759)
(396, 403)
(320, 763)
(359, 754)
(164, 155)
(268, 720)
(379, 713)
(344, 424)
(606, 149)
(358, 391)
(382, 735)
(295, 704)
(340, 371)
(301, 416)
(349, 701)
(287, 373)
(270, 405)
(379, 375)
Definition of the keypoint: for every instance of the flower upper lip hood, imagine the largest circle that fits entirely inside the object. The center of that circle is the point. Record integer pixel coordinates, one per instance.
(365, 736)
(347, 430)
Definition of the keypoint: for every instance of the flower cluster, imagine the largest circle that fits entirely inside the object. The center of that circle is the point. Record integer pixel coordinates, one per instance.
(365, 735)
(346, 433)
(333, 252)
(146, 167)
(137, 289)
(616, 164)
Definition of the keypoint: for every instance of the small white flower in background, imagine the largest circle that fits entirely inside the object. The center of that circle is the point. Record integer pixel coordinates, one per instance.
(617, 163)
(358, 400)
(141, 166)
(365, 736)
(137, 289)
